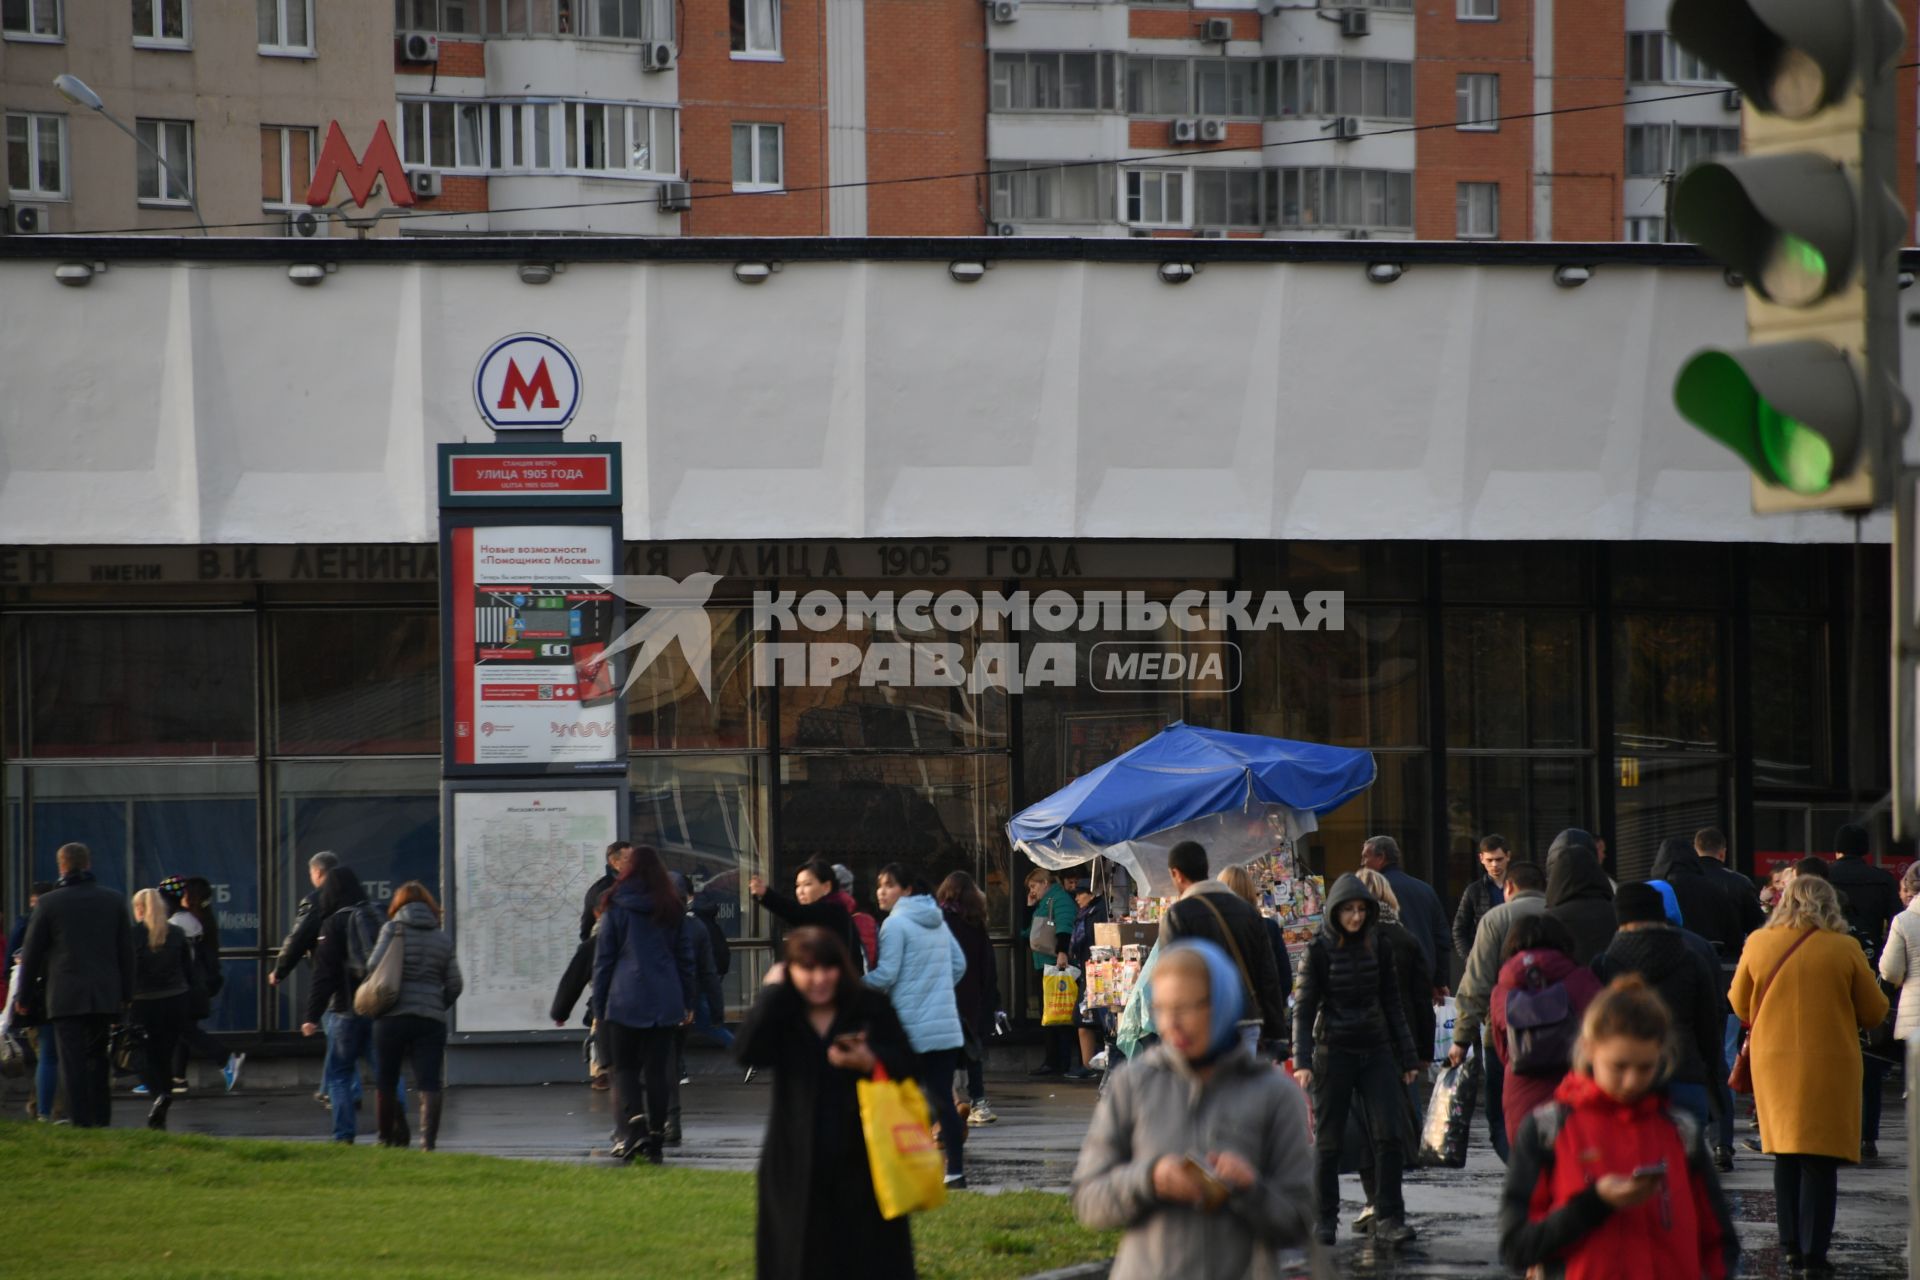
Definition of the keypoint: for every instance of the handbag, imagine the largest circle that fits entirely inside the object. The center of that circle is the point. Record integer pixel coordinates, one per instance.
(909, 1172)
(1740, 1079)
(126, 1048)
(380, 990)
(1042, 938)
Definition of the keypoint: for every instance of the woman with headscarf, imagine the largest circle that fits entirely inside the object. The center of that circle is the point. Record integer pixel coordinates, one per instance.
(1197, 1152)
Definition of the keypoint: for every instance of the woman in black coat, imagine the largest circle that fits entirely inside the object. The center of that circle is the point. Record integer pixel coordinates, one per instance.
(814, 887)
(977, 994)
(822, 1030)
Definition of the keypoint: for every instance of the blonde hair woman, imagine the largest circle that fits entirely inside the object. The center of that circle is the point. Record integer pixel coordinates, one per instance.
(166, 981)
(1804, 988)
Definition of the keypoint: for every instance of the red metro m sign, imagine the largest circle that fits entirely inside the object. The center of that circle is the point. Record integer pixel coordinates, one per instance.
(336, 160)
(527, 382)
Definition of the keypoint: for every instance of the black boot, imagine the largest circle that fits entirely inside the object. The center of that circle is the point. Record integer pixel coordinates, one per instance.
(655, 1140)
(392, 1121)
(157, 1117)
(671, 1135)
(429, 1119)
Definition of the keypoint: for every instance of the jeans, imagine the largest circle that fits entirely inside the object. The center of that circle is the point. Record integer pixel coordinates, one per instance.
(710, 1020)
(1692, 1099)
(936, 1081)
(83, 1068)
(349, 1039)
(46, 1076)
(401, 1035)
(1495, 1079)
(1337, 1075)
(1806, 1193)
(977, 1077)
(162, 1020)
(641, 1056)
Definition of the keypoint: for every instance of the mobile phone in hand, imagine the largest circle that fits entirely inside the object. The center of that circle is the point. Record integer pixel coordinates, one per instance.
(1213, 1192)
(1656, 1171)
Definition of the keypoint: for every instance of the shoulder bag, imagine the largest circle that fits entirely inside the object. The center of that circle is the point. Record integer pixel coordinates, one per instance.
(1238, 959)
(380, 989)
(1740, 1079)
(1042, 937)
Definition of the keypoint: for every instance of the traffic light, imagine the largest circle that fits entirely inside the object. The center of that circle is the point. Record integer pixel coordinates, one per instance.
(1809, 217)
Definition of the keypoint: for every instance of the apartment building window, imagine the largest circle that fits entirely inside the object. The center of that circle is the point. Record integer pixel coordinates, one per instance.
(756, 157)
(161, 24)
(1227, 197)
(171, 183)
(30, 19)
(1055, 81)
(286, 165)
(1155, 198)
(629, 19)
(1195, 86)
(1654, 57)
(1066, 193)
(1646, 230)
(447, 17)
(1478, 10)
(754, 28)
(1476, 102)
(1653, 149)
(36, 155)
(286, 27)
(1356, 199)
(1344, 87)
(1476, 210)
(599, 138)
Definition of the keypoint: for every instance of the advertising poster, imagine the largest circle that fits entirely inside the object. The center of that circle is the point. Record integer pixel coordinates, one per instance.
(531, 687)
(522, 862)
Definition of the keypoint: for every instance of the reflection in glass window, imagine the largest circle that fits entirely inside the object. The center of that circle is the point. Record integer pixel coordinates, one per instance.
(848, 712)
(356, 682)
(148, 684)
(1527, 799)
(1791, 745)
(1515, 679)
(1666, 683)
(1395, 805)
(1360, 687)
(706, 814)
(1668, 797)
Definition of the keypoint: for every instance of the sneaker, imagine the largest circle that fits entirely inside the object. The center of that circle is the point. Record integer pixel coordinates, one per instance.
(749, 1078)
(1364, 1223)
(1392, 1231)
(1752, 1145)
(231, 1072)
(981, 1114)
(1723, 1159)
(179, 1086)
(685, 1078)
(141, 1090)
(956, 1182)
(1098, 1061)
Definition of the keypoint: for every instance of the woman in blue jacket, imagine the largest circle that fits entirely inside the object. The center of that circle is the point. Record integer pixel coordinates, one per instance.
(920, 961)
(643, 987)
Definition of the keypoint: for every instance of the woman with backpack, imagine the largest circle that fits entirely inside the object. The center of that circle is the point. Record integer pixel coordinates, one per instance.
(1350, 1035)
(191, 901)
(1549, 992)
(415, 1026)
(165, 984)
(347, 939)
(643, 988)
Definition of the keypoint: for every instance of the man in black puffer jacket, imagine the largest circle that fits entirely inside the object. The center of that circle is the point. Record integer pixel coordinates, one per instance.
(1703, 908)
(1685, 979)
(1578, 894)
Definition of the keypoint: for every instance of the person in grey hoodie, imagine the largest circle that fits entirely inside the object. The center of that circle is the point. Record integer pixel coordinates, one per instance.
(920, 961)
(1198, 1152)
(416, 1025)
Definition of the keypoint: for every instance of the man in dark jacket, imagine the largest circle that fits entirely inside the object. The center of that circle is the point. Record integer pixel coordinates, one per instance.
(80, 941)
(1482, 896)
(617, 854)
(1872, 895)
(1703, 908)
(1685, 979)
(307, 919)
(340, 955)
(1420, 909)
(1711, 845)
(1578, 893)
(1208, 909)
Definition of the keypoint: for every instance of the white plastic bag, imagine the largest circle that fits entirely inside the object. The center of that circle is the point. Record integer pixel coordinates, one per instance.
(1445, 1012)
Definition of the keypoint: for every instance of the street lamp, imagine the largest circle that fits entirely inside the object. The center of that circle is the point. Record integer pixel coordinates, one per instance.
(77, 91)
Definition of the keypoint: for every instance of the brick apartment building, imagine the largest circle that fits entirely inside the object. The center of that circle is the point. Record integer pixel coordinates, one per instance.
(1371, 118)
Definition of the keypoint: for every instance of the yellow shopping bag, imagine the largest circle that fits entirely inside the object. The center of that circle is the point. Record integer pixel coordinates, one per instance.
(908, 1170)
(1059, 993)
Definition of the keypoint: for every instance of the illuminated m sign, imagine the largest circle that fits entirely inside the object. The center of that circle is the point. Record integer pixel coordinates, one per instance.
(338, 161)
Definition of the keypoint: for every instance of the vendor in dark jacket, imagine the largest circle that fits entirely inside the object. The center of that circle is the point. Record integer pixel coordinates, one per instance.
(1683, 977)
(1209, 909)
(1703, 908)
(1579, 894)
(814, 902)
(166, 982)
(1483, 895)
(1350, 1035)
(822, 1031)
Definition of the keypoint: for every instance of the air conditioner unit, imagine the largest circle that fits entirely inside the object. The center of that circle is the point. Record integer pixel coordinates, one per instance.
(24, 220)
(1002, 229)
(1346, 128)
(676, 197)
(1220, 29)
(1731, 99)
(1003, 11)
(306, 224)
(1210, 233)
(1213, 129)
(656, 55)
(419, 46)
(1355, 22)
(1184, 131)
(1358, 233)
(424, 182)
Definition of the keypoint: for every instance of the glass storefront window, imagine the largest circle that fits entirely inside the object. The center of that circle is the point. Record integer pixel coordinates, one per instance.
(1514, 572)
(1396, 805)
(1788, 579)
(707, 817)
(1667, 683)
(138, 685)
(1667, 797)
(935, 813)
(1686, 575)
(1790, 731)
(1364, 570)
(356, 682)
(1516, 679)
(668, 711)
(1527, 799)
(1359, 687)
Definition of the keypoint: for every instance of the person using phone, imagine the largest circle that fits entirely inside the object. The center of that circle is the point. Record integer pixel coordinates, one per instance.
(1198, 1150)
(1612, 1179)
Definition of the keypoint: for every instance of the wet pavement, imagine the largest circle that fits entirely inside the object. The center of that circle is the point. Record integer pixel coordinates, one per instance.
(1034, 1145)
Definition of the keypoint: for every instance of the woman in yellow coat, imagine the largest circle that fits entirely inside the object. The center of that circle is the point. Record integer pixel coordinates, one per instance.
(1805, 1048)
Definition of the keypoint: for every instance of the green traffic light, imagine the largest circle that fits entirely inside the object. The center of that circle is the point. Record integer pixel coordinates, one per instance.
(1716, 395)
(1799, 457)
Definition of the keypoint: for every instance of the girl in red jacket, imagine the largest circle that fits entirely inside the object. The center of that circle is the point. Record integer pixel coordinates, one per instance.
(1607, 1180)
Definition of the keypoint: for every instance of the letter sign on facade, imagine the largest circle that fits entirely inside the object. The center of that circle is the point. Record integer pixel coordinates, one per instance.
(336, 160)
(527, 382)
